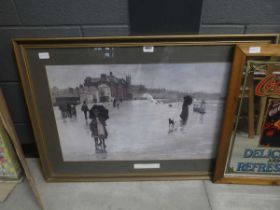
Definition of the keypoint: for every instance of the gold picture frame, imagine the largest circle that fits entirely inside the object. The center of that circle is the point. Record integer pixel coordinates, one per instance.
(35, 58)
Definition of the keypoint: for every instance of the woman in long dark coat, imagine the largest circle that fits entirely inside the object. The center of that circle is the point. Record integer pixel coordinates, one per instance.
(185, 109)
(85, 109)
(99, 115)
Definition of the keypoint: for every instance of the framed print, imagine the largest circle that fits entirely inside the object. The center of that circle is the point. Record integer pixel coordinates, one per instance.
(11, 154)
(10, 170)
(249, 151)
(127, 108)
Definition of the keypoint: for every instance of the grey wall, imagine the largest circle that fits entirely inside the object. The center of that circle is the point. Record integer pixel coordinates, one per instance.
(240, 16)
(62, 18)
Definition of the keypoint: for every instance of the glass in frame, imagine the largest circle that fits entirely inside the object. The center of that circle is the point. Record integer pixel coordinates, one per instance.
(249, 151)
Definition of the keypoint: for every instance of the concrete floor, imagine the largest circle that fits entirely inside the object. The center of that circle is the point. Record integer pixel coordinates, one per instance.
(159, 195)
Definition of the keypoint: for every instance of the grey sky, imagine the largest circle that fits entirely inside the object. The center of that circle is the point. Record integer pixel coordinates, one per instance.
(190, 77)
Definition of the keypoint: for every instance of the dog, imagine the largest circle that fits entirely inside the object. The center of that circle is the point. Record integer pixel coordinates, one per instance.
(171, 124)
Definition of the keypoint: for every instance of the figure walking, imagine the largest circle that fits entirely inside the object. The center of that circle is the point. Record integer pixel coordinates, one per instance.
(85, 109)
(69, 110)
(63, 110)
(73, 111)
(114, 102)
(118, 104)
(185, 110)
(99, 115)
(203, 106)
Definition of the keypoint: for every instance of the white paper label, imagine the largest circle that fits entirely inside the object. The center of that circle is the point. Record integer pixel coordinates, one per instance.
(254, 49)
(148, 49)
(146, 165)
(44, 55)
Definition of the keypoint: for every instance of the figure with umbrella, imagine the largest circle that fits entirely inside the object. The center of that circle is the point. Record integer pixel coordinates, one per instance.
(98, 115)
(185, 109)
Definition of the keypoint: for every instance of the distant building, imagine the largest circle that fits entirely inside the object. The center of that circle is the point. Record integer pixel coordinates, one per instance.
(104, 93)
(65, 96)
(89, 94)
(95, 90)
(109, 86)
